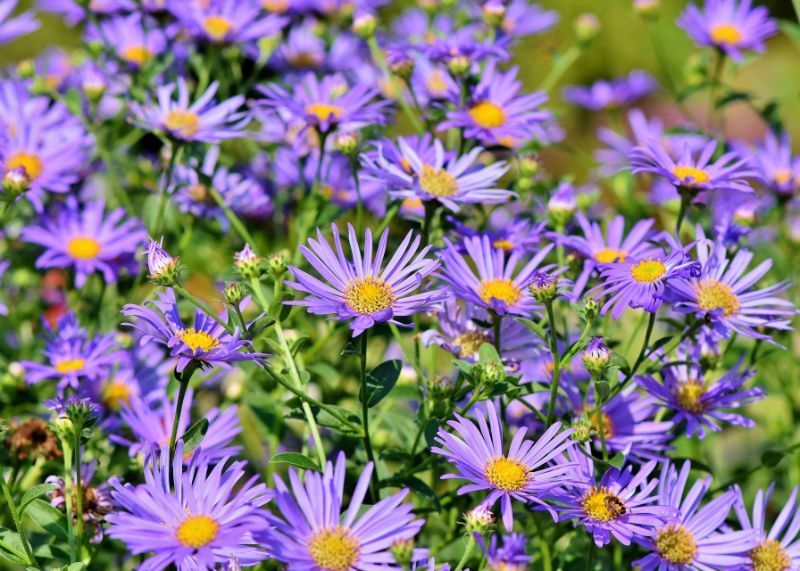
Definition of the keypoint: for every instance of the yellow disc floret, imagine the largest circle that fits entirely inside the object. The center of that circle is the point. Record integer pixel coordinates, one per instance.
(501, 289)
(69, 365)
(600, 504)
(712, 295)
(369, 295)
(324, 111)
(690, 176)
(648, 271)
(83, 248)
(770, 556)
(487, 115)
(727, 34)
(438, 182)
(507, 474)
(183, 122)
(198, 339)
(29, 161)
(689, 394)
(676, 544)
(196, 531)
(609, 255)
(217, 27)
(334, 549)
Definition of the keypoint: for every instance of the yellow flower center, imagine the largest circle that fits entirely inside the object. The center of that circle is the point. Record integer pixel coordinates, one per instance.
(334, 549)
(712, 294)
(115, 394)
(688, 396)
(676, 544)
(782, 176)
(506, 474)
(601, 505)
(369, 295)
(324, 111)
(501, 289)
(610, 255)
(275, 6)
(729, 34)
(648, 271)
(83, 248)
(304, 60)
(690, 176)
(217, 27)
(438, 182)
(69, 365)
(137, 55)
(198, 340)
(608, 424)
(412, 203)
(197, 531)
(504, 245)
(487, 115)
(770, 556)
(469, 342)
(183, 122)
(31, 163)
(199, 193)
(436, 83)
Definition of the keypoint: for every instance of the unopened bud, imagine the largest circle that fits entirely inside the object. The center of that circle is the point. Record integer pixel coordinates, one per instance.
(164, 269)
(493, 13)
(562, 205)
(347, 143)
(233, 292)
(441, 387)
(591, 307)
(543, 286)
(248, 263)
(16, 182)
(26, 69)
(596, 357)
(479, 520)
(647, 8)
(583, 429)
(365, 25)
(491, 372)
(403, 551)
(529, 166)
(278, 262)
(459, 65)
(587, 26)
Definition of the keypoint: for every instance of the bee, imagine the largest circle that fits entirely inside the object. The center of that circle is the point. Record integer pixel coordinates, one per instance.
(615, 505)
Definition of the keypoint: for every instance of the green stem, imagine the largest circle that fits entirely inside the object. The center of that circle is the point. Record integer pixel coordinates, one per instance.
(685, 201)
(377, 55)
(183, 386)
(360, 200)
(599, 418)
(590, 558)
(68, 489)
(643, 354)
(162, 203)
(203, 306)
(544, 546)
(476, 395)
(235, 221)
(560, 67)
(365, 414)
(17, 524)
(467, 552)
(79, 494)
(430, 211)
(496, 322)
(551, 410)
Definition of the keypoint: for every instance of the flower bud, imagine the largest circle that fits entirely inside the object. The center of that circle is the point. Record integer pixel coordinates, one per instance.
(347, 143)
(591, 307)
(562, 205)
(584, 429)
(490, 372)
(479, 520)
(248, 263)
(16, 182)
(441, 387)
(647, 8)
(596, 357)
(164, 269)
(277, 263)
(459, 65)
(26, 69)
(403, 551)
(399, 63)
(365, 25)
(587, 26)
(543, 286)
(528, 166)
(493, 13)
(233, 292)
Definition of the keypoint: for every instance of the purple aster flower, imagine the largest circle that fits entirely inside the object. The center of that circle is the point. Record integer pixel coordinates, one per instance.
(776, 167)
(621, 504)
(525, 473)
(328, 103)
(461, 46)
(694, 538)
(228, 21)
(87, 240)
(731, 26)
(386, 151)
(4, 265)
(150, 423)
(598, 250)
(521, 18)
(313, 533)
(701, 402)
(508, 554)
(12, 28)
(496, 113)
(206, 343)
(72, 356)
(615, 93)
(695, 172)
(777, 548)
(723, 294)
(204, 120)
(194, 517)
(641, 283)
(505, 232)
(302, 48)
(432, 82)
(362, 290)
(498, 285)
(451, 181)
(135, 39)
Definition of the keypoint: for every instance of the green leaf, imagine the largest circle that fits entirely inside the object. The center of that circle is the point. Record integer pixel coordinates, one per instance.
(620, 362)
(48, 518)
(295, 459)
(350, 350)
(301, 343)
(792, 31)
(192, 437)
(324, 418)
(771, 458)
(415, 484)
(659, 343)
(381, 380)
(618, 460)
(34, 493)
(535, 327)
(11, 546)
(488, 354)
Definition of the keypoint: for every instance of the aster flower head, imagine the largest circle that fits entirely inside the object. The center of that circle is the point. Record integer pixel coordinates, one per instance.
(777, 548)
(203, 120)
(695, 172)
(12, 28)
(193, 517)
(776, 167)
(228, 21)
(88, 240)
(723, 293)
(621, 504)
(451, 181)
(496, 113)
(615, 93)
(521, 18)
(136, 39)
(328, 103)
(315, 532)
(363, 289)
(524, 473)
(207, 343)
(641, 283)
(506, 552)
(701, 402)
(694, 538)
(731, 26)
(163, 268)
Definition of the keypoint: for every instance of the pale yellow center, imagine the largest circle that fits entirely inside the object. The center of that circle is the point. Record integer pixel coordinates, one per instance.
(728, 34)
(469, 342)
(487, 115)
(648, 271)
(31, 163)
(690, 176)
(770, 556)
(712, 294)
(324, 111)
(137, 55)
(676, 545)
(197, 531)
(436, 83)
(688, 396)
(507, 474)
(198, 339)
(369, 295)
(115, 394)
(601, 505)
(438, 182)
(275, 6)
(500, 289)
(504, 245)
(782, 177)
(83, 248)
(183, 122)
(69, 365)
(334, 549)
(609, 255)
(217, 27)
